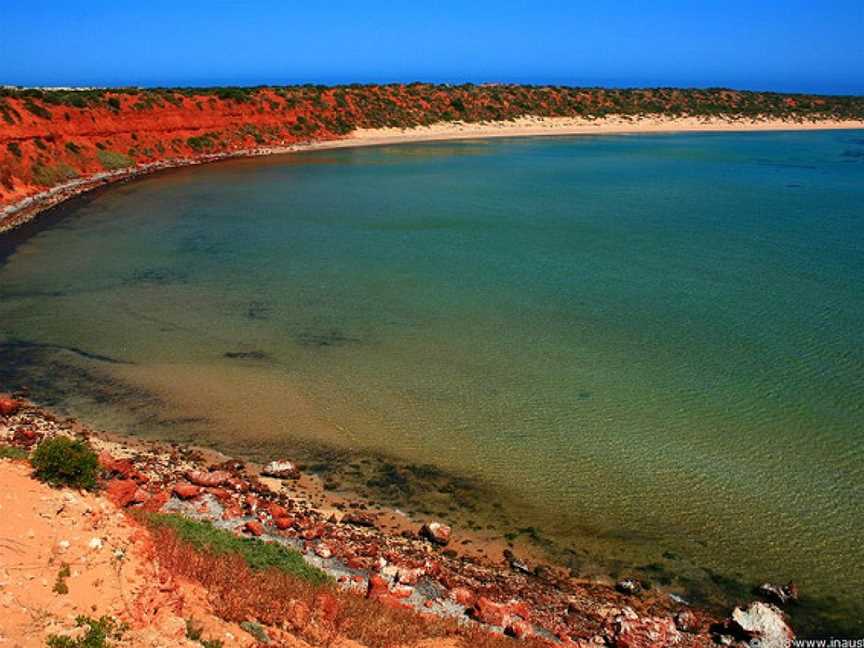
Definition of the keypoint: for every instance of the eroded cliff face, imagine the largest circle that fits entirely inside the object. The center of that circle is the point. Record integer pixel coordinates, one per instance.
(43, 145)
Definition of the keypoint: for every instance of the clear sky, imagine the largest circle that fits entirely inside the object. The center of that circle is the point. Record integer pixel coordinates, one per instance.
(804, 45)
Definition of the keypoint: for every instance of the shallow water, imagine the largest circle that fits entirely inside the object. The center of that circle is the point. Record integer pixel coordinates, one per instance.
(651, 346)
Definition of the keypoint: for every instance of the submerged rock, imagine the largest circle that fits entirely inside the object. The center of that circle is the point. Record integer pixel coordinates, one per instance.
(9, 406)
(781, 594)
(686, 621)
(281, 470)
(629, 586)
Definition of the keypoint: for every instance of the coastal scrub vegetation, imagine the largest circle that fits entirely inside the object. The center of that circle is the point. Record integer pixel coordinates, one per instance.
(314, 610)
(65, 133)
(258, 555)
(103, 632)
(112, 160)
(62, 461)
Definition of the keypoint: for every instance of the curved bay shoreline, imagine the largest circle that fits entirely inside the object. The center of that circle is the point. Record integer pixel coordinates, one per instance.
(59, 195)
(398, 560)
(26, 209)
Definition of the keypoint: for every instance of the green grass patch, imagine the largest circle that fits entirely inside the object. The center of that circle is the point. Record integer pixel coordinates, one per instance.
(66, 462)
(259, 555)
(112, 160)
(11, 452)
(101, 633)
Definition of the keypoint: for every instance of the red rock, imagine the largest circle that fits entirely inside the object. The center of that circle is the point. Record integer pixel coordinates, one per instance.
(436, 532)
(378, 587)
(254, 527)
(237, 484)
(489, 612)
(157, 501)
(312, 533)
(9, 406)
(402, 592)
(409, 576)
(326, 607)
(233, 510)
(283, 523)
(125, 492)
(185, 490)
(123, 467)
(463, 596)
(518, 629)
(277, 510)
(221, 494)
(521, 609)
(208, 479)
(631, 631)
(355, 562)
(26, 436)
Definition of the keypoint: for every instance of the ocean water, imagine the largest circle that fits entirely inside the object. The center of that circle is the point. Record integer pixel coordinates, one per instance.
(650, 349)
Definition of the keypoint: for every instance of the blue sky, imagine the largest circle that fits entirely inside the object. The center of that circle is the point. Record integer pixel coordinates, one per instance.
(813, 45)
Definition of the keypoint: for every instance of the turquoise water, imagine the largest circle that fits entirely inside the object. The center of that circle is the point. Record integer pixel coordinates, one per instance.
(651, 346)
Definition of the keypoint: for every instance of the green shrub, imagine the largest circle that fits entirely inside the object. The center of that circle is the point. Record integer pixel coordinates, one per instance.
(72, 147)
(201, 142)
(48, 175)
(14, 149)
(66, 462)
(101, 633)
(258, 554)
(11, 452)
(37, 110)
(112, 160)
(114, 104)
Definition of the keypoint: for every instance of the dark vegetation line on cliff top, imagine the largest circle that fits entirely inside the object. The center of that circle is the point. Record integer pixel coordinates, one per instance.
(49, 137)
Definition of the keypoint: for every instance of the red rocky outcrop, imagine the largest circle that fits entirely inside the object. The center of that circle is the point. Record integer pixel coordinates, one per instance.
(208, 479)
(185, 490)
(489, 612)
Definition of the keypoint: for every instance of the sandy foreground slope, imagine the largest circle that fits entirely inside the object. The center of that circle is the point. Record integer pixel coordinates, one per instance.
(111, 573)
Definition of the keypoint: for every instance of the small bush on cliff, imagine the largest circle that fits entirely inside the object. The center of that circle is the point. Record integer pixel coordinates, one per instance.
(66, 462)
(48, 175)
(101, 633)
(14, 149)
(37, 110)
(112, 160)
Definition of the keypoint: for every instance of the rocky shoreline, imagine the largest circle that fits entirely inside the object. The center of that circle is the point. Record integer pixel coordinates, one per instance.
(380, 554)
(26, 209)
